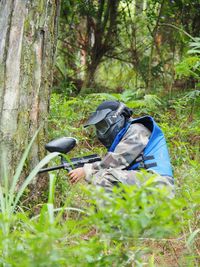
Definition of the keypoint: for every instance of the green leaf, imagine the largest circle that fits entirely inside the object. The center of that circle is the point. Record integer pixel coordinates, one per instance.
(20, 167)
(50, 209)
(194, 51)
(192, 237)
(32, 175)
(52, 183)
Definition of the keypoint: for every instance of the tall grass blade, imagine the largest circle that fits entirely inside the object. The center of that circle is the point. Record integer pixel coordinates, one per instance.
(191, 238)
(50, 209)
(30, 177)
(20, 167)
(52, 183)
(61, 210)
(152, 261)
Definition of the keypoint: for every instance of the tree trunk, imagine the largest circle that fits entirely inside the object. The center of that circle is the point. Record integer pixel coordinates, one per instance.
(89, 77)
(27, 46)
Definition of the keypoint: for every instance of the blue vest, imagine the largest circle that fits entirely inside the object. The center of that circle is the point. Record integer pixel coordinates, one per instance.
(155, 155)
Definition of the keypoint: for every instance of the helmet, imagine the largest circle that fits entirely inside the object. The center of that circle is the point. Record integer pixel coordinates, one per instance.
(110, 117)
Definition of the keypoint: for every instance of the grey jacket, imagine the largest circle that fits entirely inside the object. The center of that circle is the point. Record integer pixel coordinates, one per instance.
(129, 148)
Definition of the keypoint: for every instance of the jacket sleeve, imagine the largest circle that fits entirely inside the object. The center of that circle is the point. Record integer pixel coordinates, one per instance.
(129, 148)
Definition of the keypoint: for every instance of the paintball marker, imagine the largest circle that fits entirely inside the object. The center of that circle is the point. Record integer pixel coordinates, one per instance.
(63, 145)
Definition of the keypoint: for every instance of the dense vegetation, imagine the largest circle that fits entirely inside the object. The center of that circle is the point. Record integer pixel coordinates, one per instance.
(135, 225)
(150, 61)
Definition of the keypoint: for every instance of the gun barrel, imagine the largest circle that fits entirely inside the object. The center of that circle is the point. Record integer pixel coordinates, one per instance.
(52, 168)
(73, 163)
(85, 159)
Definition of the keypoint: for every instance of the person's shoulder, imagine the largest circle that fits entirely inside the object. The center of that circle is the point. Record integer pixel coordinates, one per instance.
(137, 128)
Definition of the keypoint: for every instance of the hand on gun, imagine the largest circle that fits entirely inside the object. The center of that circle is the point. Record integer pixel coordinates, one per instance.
(76, 175)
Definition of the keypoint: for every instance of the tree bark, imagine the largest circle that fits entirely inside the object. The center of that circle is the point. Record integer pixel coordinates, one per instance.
(27, 47)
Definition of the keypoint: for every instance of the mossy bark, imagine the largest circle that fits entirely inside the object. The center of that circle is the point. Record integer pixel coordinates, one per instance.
(27, 47)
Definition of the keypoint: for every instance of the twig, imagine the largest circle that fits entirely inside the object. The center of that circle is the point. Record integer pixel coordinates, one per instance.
(176, 257)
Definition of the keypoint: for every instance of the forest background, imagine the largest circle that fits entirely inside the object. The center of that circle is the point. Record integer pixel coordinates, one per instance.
(59, 60)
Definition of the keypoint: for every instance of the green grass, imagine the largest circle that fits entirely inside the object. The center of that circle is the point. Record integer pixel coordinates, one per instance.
(134, 227)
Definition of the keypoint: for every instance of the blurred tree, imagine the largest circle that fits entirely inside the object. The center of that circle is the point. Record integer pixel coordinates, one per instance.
(27, 46)
(91, 34)
(155, 38)
(148, 36)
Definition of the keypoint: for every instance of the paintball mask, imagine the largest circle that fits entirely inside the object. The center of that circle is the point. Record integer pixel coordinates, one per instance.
(109, 118)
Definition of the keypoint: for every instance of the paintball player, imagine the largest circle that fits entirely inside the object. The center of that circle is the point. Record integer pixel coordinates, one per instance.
(133, 144)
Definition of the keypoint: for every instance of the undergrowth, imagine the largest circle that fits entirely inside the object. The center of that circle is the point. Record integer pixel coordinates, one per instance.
(84, 226)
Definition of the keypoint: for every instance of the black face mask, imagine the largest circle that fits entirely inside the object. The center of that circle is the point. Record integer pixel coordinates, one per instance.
(107, 129)
(109, 119)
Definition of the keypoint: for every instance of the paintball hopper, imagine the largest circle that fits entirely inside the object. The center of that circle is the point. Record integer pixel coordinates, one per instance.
(62, 145)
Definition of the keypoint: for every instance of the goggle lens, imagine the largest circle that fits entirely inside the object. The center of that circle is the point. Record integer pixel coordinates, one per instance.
(102, 127)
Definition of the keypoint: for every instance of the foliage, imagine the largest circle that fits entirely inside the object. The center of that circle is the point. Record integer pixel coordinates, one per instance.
(112, 233)
(90, 34)
(84, 226)
(190, 65)
(10, 194)
(137, 213)
(115, 75)
(123, 44)
(132, 226)
(68, 115)
(179, 118)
